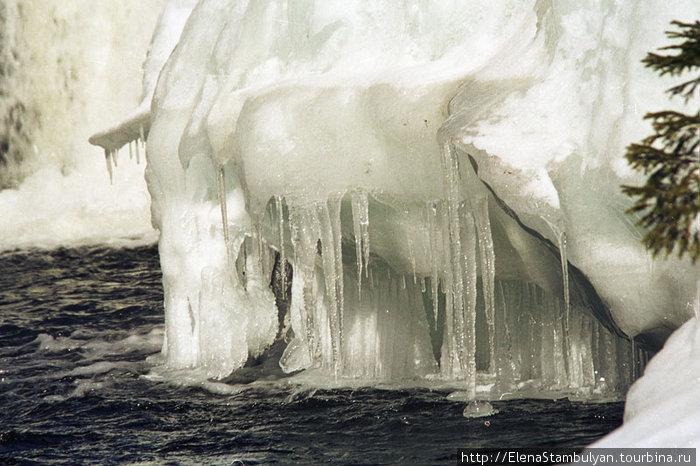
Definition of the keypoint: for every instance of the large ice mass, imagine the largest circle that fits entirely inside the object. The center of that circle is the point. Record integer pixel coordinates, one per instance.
(408, 191)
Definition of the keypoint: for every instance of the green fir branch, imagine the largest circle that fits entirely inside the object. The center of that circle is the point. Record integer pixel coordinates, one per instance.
(668, 203)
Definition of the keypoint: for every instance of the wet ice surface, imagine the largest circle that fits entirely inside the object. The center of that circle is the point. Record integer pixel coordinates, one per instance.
(78, 325)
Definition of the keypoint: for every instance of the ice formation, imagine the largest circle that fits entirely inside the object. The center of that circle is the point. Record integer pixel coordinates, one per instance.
(663, 407)
(437, 184)
(132, 130)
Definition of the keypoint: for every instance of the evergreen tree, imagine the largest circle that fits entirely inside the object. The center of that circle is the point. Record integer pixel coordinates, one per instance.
(669, 201)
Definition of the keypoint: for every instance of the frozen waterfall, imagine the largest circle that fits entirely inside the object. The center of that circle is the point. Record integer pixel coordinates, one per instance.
(391, 191)
(68, 69)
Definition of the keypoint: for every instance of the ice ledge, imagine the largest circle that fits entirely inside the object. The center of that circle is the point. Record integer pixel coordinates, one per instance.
(136, 125)
(131, 128)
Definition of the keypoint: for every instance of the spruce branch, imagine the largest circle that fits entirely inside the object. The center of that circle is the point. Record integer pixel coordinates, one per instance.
(669, 201)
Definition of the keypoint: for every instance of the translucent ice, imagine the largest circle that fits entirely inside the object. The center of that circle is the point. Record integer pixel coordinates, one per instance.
(663, 407)
(447, 178)
(479, 409)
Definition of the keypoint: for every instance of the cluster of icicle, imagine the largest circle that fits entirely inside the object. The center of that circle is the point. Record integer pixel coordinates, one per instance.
(111, 155)
(466, 287)
(357, 317)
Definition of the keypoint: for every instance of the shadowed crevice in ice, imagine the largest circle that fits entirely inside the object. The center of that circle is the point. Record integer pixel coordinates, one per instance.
(582, 292)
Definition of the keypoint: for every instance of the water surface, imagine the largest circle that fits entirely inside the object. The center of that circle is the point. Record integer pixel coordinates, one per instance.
(77, 327)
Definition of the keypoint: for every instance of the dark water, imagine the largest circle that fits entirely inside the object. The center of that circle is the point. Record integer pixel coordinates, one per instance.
(76, 327)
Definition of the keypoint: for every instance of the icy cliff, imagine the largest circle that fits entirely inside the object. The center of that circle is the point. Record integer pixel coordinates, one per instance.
(432, 191)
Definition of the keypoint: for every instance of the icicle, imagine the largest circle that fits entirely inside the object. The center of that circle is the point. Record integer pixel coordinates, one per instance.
(305, 232)
(364, 224)
(566, 343)
(138, 156)
(142, 137)
(561, 240)
(469, 279)
(240, 263)
(487, 259)
(455, 295)
(108, 160)
(412, 256)
(334, 211)
(506, 367)
(595, 350)
(460, 331)
(329, 215)
(559, 343)
(360, 218)
(462, 272)
(358, 250)
(131, 152)
(403, 282)
(434, 249)
(258, 247)
(283, 257)
(221, 192)
(565, 275)
(635, 360)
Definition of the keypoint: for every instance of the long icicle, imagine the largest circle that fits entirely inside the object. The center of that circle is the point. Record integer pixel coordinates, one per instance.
(283, 256)
(334, 211)
(568, 348)
(450, 168)
(221, 192)
(108, 161)
(304, 235)
(331, 277)
(565, 275)
(561, 240)
(487, 259)
(360, 219)
(434, 250)
(469, 267)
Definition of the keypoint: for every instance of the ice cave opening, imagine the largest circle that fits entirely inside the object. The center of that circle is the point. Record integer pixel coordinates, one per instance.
(395, 192)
